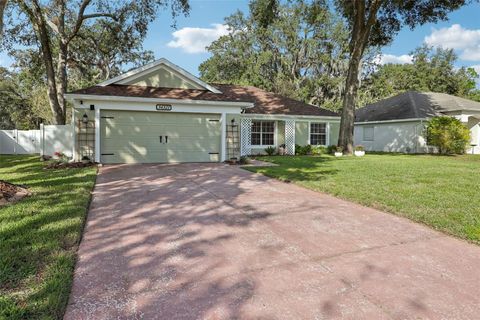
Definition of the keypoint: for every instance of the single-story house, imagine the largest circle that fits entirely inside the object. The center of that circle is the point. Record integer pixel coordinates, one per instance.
(397, 124)
(162, 113)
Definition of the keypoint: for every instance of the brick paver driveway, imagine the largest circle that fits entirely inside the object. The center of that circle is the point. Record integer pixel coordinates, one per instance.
(196, 241)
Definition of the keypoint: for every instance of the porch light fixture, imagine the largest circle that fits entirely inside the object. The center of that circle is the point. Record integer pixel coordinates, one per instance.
(85, 118)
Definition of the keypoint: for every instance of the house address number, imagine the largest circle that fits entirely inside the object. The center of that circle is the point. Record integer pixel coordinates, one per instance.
(163, 107)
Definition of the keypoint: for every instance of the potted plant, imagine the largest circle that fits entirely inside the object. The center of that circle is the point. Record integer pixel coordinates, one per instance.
(338, 152)
(359, 151)
(281, 150)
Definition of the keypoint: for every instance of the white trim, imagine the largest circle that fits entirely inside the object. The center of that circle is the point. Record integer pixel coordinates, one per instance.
(328, 134)
(223, 136)
(288, 116)
(390, 121)
(97, 135)
(309, 142)
(151, 108)
(74, 142)
(162, 61)
(74, 96)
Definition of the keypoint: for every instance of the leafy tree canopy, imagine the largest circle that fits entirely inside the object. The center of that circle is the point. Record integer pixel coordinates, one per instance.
(85, 40)
(431, 70)
(300, 50)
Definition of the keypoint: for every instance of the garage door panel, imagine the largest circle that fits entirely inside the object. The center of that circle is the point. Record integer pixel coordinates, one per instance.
(157, 130)
(132, 137)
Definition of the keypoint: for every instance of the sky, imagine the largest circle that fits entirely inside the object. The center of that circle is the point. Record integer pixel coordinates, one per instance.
(185, 44)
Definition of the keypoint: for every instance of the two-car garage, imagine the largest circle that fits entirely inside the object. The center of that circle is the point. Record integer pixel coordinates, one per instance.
(151, 137)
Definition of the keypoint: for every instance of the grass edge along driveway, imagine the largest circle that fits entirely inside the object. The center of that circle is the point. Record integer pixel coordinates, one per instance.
(39, 237)
(442, 192)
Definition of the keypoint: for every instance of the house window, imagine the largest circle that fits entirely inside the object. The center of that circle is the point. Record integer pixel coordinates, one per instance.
(368, 133)
(318, 134)
(263, 133)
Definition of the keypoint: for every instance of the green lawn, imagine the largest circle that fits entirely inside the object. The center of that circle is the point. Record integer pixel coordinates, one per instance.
(442, 192)
(39, 237)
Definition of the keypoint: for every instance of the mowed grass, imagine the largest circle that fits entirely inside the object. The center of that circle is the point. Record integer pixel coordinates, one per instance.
(39, 237)
(440, 191)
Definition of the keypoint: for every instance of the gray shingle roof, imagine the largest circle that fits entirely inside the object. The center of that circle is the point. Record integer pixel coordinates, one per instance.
(414, 104)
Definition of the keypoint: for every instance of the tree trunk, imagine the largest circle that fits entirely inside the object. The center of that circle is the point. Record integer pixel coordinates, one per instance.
(345, 138)
(38, 21)
(62, 61)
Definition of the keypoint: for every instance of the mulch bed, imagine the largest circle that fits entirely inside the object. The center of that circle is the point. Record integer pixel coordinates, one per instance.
(11, 193)
(67, 165)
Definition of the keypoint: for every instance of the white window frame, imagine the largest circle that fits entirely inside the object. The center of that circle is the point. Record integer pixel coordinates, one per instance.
(261, 134)
(373, 133)
(327, 133)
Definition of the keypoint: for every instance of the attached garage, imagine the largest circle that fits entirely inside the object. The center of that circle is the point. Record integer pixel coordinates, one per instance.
(150, 137)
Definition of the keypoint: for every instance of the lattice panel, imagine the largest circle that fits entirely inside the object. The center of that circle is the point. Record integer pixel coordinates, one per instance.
(246, 136)
(290, 137)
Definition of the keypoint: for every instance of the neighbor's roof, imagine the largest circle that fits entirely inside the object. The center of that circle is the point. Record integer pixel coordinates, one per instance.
(414, 104)
(264, 102)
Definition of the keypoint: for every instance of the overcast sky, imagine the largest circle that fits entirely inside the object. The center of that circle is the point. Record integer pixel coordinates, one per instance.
(186, 44)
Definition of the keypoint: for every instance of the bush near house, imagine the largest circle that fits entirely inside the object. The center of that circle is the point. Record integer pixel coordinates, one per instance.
(270, 151)
(448, 134)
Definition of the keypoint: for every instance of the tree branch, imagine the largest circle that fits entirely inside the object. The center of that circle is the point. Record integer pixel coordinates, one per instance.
(3, 5)
(81, 17)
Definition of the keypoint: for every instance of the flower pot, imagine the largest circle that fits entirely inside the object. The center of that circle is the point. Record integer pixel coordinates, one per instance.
(359, 153)
(281, 151)
(338, 154)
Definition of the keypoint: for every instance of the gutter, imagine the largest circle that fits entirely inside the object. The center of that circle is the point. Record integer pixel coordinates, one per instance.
(74, 96)
(389, 121)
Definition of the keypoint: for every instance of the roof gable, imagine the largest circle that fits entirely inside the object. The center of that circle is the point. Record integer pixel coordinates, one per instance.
(161, 74)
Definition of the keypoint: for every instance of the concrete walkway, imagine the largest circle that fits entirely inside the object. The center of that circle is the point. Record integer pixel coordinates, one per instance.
(210, 241)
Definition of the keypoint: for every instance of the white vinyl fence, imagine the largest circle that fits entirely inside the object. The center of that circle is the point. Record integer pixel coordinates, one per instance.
(46, 141)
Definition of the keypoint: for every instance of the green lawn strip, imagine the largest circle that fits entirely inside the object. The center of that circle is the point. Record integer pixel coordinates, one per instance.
(439, 191)
(39, 237)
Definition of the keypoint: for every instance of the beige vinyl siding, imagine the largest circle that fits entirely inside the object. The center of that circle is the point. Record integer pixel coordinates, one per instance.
(134, 137)
(301, 133)
(163, 77)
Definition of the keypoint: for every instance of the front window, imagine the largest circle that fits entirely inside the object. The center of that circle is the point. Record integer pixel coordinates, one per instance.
(368, 133)
(318, 134)
(263, 133)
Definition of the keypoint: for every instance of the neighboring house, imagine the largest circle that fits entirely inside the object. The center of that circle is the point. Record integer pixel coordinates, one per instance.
(397, 124)
(162, 113)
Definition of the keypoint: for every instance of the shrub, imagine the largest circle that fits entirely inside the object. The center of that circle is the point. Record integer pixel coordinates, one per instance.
(448, 134)
(303, 150)
(244, 160)
(62, 157)
(331, 149)
(270, 151)
(318, 150)
(359, 148)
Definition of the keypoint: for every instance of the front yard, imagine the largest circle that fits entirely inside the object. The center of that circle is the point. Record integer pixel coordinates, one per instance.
(442, 192)
(39, 236)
